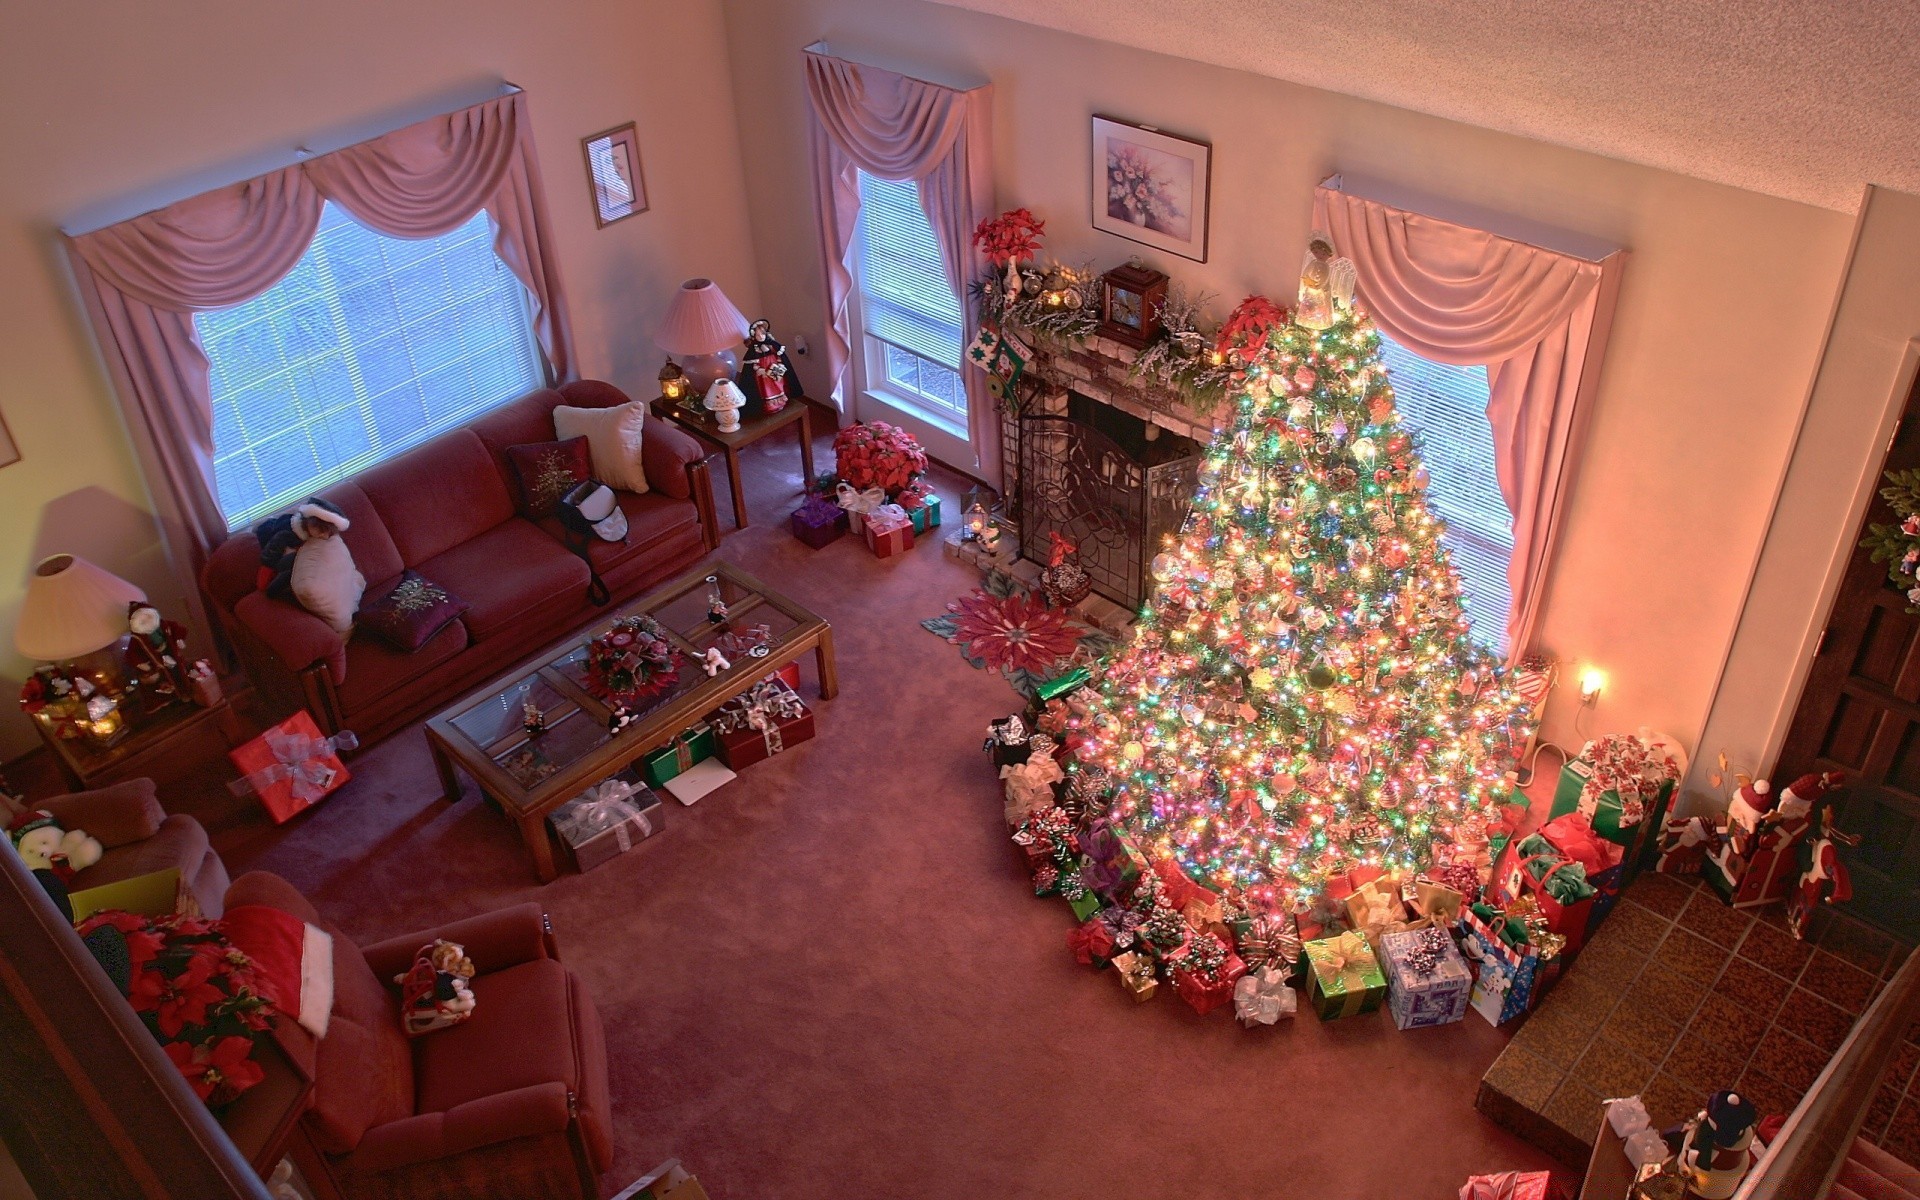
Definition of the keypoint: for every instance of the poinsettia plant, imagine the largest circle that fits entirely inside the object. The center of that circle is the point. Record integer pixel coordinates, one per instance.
(198, 995)
(1247, 328)
(1013, 236)
(878, 455)
(631, 661)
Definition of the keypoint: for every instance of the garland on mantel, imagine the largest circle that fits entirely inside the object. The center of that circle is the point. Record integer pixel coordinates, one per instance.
(1061, 303)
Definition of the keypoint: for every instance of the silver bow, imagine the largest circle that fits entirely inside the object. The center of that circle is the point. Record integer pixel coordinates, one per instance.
(301, 760)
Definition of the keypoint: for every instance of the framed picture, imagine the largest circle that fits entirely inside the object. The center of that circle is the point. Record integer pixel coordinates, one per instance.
(9, 452)
(1151, 187)
(613, 172)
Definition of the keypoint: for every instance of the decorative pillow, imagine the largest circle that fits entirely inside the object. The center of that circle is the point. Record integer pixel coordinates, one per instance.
(294, 961)
(325, 581)
(409, 612)
(548, 471)
(613, 437)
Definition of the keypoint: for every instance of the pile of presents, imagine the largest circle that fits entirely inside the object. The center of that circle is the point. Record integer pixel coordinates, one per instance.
(877, 491)
(1488, 926)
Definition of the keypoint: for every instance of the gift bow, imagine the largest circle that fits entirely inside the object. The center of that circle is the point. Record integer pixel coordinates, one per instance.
(854, 500)
(605, 805)
(301, 760)
(1342, 962)
(1263, 997)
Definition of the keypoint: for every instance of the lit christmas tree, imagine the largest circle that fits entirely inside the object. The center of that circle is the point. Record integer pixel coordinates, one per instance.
(1302, 695)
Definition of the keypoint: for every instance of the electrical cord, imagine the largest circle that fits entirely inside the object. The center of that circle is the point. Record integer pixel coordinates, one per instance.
(1531, 766)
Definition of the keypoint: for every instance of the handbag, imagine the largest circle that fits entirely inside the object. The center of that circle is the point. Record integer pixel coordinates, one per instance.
(589, 510)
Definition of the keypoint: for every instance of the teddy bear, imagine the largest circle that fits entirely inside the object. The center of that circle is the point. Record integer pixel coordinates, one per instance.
(434, 992)
(45, 846)
(303, 556)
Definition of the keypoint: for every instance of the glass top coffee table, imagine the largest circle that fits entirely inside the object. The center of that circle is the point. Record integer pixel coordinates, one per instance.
(483, 733)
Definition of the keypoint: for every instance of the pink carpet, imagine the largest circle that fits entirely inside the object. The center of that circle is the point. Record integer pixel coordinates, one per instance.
(829, 979)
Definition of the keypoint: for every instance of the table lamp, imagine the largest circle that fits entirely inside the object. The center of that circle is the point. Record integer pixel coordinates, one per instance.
(72, 609)
(702, 327)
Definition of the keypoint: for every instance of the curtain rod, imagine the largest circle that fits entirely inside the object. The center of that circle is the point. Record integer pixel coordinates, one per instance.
(127, 206)
(821, 50)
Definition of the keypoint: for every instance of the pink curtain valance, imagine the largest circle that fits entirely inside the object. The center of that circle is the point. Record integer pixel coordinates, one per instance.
(1537, 319)
(142, 279)
(896, 127)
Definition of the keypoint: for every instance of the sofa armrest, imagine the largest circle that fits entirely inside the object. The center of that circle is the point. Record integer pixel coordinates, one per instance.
(116, 815)
(494, 940)
(530, 1111)
(666, 452)
(295, 636)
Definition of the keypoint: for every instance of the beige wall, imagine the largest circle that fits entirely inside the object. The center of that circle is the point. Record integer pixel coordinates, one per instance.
(117, 105)
(1718, 325)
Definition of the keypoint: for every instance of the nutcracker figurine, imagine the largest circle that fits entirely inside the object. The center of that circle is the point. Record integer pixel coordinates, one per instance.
(1716, 1147)
(1823, 875)
(769, 378)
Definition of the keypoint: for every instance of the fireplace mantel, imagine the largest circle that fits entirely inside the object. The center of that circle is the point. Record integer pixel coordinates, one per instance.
(1100, 369)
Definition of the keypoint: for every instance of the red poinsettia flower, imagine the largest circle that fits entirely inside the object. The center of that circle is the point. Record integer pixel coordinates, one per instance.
(1013, 632)
(180, 1000)
(218, 1071)
(1244, 335)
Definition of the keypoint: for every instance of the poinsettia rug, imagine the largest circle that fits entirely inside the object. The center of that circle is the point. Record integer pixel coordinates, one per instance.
(1003, 625)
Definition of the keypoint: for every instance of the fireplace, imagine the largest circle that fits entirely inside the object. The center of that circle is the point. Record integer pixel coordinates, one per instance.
(1111, 483)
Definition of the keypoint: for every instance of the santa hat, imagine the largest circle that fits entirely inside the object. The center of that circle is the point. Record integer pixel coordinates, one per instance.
(1801, 795)
(1751, 801)
(28, 821)
(316, 509)
(1729, 1115)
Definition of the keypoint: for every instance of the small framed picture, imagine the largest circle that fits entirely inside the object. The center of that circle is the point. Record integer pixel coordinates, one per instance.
(9, 452)
(1151, 187)
(613, 173)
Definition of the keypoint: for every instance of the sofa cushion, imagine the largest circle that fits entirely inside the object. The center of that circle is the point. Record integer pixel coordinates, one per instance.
(546, 471)
(508, 572)
(528, 419)
(408, 611)
(437, 496)
(652, 518)
(521, 1034)
(376, 667)
(373, 549)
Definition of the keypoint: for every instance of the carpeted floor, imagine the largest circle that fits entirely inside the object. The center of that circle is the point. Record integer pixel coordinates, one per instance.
(829, 979)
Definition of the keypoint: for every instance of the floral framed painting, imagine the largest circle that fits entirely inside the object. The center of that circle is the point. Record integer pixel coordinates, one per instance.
(613, 172)
(1151, 187)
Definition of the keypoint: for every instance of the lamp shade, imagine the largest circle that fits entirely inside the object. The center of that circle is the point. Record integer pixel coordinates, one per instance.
(701, 320)
(72, 608)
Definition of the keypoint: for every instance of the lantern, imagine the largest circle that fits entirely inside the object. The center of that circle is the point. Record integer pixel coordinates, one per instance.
(673, 382)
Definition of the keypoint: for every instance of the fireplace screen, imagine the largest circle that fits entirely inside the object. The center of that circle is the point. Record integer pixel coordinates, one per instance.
(1093, 476)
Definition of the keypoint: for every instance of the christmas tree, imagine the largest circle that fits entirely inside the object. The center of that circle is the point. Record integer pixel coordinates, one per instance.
(1302, 695)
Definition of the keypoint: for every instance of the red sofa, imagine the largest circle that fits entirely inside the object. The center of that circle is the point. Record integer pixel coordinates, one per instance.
(511, 1104)
(447, 510)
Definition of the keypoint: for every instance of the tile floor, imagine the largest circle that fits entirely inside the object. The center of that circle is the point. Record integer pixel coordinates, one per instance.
(1678, 995)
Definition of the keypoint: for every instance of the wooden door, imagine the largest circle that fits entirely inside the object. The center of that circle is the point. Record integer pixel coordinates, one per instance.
(1860, 713)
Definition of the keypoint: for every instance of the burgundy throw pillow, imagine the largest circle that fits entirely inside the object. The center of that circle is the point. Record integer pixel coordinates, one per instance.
(548, 471)
(409, 612)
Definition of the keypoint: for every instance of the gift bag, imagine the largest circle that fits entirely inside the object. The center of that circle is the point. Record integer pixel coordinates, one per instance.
(1534, 867)
(1505, 986)
(291, 767)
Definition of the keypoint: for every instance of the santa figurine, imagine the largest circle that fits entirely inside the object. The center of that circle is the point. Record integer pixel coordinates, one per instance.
(1823, 874)
(1716, 1147)
(768, 377)
(1756, 864)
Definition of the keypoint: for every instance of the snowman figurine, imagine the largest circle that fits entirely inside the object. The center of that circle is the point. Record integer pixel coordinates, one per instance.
(1716, 1147)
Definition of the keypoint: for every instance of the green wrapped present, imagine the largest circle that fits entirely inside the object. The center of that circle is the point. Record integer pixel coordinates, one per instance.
(926, 516)
(1060, 686)
(1086, 905)
(691, 745)
(1650, 765)
(1343, 977)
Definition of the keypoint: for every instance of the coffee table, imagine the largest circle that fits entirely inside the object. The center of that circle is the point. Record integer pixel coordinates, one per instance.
(483, 732)
(688, 415)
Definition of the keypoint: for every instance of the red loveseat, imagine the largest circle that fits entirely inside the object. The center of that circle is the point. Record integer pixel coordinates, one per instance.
(511, 1104)
(447, 510)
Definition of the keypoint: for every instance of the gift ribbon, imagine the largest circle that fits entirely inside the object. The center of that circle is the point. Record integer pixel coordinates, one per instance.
(1342, 962)
(300, 761)
(856, 501)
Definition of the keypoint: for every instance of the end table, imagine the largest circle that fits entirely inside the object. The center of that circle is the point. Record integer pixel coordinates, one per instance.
(147, 747)
(701, 424)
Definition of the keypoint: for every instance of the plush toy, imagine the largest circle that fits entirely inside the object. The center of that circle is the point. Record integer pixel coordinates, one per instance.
(157, 651)
(302, 556)
(45, 846)
(434, 992)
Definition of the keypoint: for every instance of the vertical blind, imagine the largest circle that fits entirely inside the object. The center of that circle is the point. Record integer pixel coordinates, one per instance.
(1446, 409)
(905, 297)
(369, 347)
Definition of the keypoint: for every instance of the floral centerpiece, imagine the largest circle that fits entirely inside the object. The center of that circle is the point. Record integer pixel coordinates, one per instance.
(631, 661)
(1899, 545)
(1010, 237)
(197, 994)
(878, 455)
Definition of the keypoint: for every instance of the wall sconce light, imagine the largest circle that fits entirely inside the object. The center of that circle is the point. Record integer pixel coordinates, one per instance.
(1592, 680)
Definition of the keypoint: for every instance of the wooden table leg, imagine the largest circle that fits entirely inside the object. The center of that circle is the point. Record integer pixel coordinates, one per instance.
(449, 782)
(534, 830)
(823, 660)
(806, 447)
(733, 482)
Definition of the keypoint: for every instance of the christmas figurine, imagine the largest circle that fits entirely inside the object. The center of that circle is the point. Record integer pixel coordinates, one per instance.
(1823, 874)
(532, 720)
(768, 378)
(157, 653)
(1324, 282)
(1716, 1147)
(1757, 862)
(1064, 582)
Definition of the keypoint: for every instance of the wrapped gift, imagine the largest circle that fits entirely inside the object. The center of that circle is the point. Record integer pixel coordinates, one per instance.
(607, 820)
(1437, 904)
(1263, 997)
(888, 533)
(858, 504)
(291, 767)
(1061, 686)
(818, 521)
(1136, 975)
(694, 744)
(1205, 972)
(1558, 885)
(1115, 861)
(1083, 900)
(1508, 1185)
(1343, 976)
(1501, 825)
(1093, 941)
(1375, 909)
(1622, 783)
(1427, 980)
(925, 516)
(1268, 940)
(765, 720)
(1008, 740)
(1034, 785)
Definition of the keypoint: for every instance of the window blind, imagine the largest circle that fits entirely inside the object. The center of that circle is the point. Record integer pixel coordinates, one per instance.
(904, 294)
(369, 347)
(1445, 407)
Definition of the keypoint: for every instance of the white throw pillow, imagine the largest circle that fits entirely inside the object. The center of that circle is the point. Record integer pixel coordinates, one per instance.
(326, 582)
(316, 981)
(613, 439)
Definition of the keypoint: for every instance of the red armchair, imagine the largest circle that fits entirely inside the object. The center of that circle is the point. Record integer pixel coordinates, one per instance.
(140, 837)
(512, 1103)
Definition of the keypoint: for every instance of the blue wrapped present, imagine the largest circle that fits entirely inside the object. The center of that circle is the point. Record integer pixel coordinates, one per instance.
(1427, 980)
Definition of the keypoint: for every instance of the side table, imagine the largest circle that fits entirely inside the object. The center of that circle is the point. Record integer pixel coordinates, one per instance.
(145, 750)
(700, 423)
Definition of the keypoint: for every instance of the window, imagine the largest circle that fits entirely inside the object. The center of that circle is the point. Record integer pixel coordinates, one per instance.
(1446, 408)
(909, 316)
(369, 347)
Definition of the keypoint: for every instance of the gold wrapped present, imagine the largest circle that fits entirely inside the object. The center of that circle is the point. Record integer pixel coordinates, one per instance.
(1136, 975)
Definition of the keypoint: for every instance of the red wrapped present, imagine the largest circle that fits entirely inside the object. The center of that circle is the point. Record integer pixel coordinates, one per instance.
(888, 534)
(1205, 971)
(1180, 889)
(1092, 942)
(762, 722)
(291, 767)
(1508, 1185)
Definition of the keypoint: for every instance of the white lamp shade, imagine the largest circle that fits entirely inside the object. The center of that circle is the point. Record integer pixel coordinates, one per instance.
(72, 608)
(725, 394)
(701, 320)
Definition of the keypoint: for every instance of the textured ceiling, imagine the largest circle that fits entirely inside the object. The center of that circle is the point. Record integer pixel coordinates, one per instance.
(1804, 99)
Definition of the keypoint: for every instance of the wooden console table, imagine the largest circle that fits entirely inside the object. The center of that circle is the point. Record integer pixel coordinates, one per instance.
(700, 423)
(152, 746)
